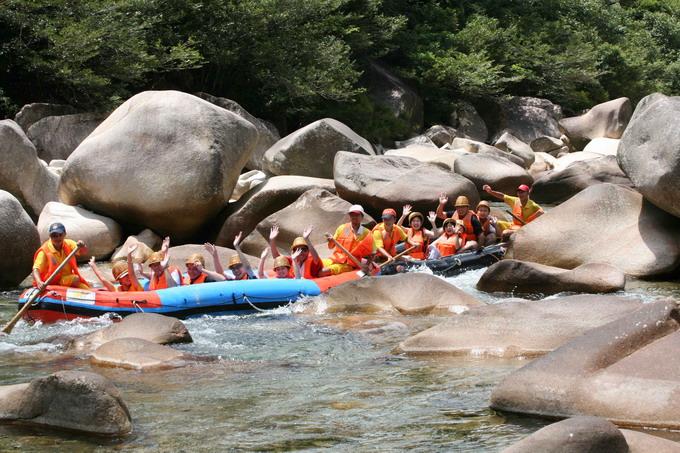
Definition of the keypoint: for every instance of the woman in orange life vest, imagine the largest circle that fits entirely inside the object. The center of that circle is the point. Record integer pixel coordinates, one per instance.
(524, 209)
(239, 265)
(281, 265)
(197, 273)
(488, 222)
(473, 227)
(387, 235)
(308, 259)
(416, 234)
(52, 253)
(123, 273)
(450, 242)
(162, 275)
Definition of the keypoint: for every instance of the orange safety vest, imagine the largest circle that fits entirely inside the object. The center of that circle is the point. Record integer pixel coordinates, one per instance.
(447, 245)
(187, 280)
(418, 236)
(467, 220)
(349, 239)
(517, 210)
(307, 271)
(53, 264)
(389, 240)
(161, 282)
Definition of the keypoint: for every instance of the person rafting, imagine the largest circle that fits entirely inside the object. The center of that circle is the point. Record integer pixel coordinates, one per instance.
(488, 235)
(524, 209)
(238, 265)
(450, 242)
(197, 273)
(308, 259)
(473, 228)
(162, 275)
(354, 238)
(52, 253)
(417, 235)
(123, 273)
(282, 265)
(387, 235)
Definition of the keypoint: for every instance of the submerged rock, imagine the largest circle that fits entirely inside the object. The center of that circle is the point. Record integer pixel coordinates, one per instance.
(137, 354)
(71, 400)
(522, 277)
(518, 329)
(625, 371)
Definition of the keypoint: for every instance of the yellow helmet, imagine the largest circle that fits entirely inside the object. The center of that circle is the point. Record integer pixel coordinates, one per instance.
(413, 215)
(484, 203)
(119, 270)
(448, 221)
(281, 261)
(155, 257)
(234, 260)
(299, 242)
(462, 201)
(195, 257)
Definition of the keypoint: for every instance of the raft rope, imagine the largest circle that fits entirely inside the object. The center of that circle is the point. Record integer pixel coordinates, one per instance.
(260, 309)
(136, 305)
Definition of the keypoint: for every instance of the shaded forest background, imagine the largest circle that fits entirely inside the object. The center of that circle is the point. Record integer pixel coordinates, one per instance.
(295, 61)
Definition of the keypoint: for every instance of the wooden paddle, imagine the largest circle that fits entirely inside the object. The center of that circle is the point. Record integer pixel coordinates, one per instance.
(515, 217)
(10, 325)
(399, 255)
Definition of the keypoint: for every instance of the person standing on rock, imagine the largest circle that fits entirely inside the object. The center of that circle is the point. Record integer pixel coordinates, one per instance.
(450, 242)
(387, 235)
(417, 235)
(488, 234)
(52, 253)
(308, 259)
(354, 237)
(473, 228)
(162, 275)
(123, 273)
(238, 264)
(524, 210)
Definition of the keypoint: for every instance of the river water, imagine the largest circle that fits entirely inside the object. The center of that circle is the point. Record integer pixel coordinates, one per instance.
(288, 382)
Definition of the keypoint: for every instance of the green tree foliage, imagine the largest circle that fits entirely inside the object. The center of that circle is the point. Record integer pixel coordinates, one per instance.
(294, 61)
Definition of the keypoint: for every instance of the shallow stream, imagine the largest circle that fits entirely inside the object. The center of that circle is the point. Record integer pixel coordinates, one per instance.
(288, 382)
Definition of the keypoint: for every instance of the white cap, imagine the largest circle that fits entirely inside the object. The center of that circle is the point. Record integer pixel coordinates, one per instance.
(356, 208)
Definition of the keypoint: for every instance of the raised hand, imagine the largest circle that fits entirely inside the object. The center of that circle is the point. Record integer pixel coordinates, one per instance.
(296, 253)
(486, 188)
(274, 233)
(80, 244)
(328, 236)
(443, 198)
(307, 232)
(264, 254)
(210, 248)
(132, 247)
(237, 239)
(91, 262)
(166, 244)
(432, 217)
(406, 209)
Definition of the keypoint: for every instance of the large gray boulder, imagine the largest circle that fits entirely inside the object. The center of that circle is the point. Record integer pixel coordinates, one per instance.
(310, 151)
(378, 182)
(151, 327)
(267, 132)
(31, 113)
(607, 120)
(69, 400)
(441, 135)
(574, 435)
(56, 137)
(625, 371)
(426, 154)
(518, 329)
(558, 186)
(511, 144)
(475, 147)
(317, 207)
(21, 172)
(528, 118)
(19, 239)
(501, 174)
(393, 94)
(101, 234)
(406, 294)
(567, 160)
(604, 223)
(649, 151)
(172, 174)
(468, 123)
(272, 196)
(521, 277)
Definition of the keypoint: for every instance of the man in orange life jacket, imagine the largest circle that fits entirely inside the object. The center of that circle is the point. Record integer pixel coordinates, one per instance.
(356, 238)
(387, 235)
(308, 258)
(52, 253)
(524, 209)
(473, 228)
(162, 275)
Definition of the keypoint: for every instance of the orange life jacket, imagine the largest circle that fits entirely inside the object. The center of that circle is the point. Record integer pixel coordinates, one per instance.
(418, 236)
(187, 280)
(447, 245)
(517, 211)
(349, 240)
(160, 282)
(389, 240)
(53, 264)
(308, 271)
(467, 220)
